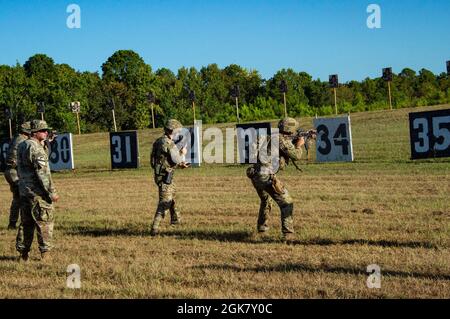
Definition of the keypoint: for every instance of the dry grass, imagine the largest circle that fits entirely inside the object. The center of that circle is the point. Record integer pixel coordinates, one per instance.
(383, 209)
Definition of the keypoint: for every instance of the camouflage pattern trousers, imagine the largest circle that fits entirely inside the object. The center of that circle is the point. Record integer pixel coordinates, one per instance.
(13, 181)
(266, 192)
(35, 214)
(166, 203)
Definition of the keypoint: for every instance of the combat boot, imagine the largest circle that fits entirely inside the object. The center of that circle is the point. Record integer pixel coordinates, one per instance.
(24, 257)
(12, 226)
(288, 238)
(155, 225)
(262, 228)
(175, 218)
(175, 222)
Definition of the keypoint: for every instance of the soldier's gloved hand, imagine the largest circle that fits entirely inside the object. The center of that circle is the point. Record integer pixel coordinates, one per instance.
(55, 198)
(184, 165)
(300, 142)
(183, 151)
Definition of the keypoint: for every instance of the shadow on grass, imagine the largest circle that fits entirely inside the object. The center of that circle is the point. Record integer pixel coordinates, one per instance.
(241, 236)
(382, 243)
(81, 170)
(249, 237)
(299, 267)
(9, 258)
(223, 236)
(102, 232)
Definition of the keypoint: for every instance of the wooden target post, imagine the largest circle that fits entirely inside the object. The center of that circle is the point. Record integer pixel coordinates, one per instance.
(10, 128)
(113, 106)
(78, 123)
(192, 98)
(41, 109)
(237, 110)
(151, 99)
(335, 101)
(76, 106)
(114, 120)
(387, 76)
(334, 84)
(235, 92)
(8, 115)
(390, 95)
(284, 89)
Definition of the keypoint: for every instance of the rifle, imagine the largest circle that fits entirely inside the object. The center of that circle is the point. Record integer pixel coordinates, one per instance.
(52, 135)
(50, 139)
(309, 136)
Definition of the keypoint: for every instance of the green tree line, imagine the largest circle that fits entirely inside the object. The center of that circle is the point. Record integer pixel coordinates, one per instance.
(126, 81)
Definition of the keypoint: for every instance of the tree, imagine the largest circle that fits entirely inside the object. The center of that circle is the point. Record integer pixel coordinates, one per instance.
(41, 67)
(249, 82)
(296, 84)
(127, 79)
(13, 94)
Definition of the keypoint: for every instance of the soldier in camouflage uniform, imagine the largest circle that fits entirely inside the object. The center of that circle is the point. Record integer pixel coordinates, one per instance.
(37, 192)
(269, 187)
(165, 158)
(11, 173)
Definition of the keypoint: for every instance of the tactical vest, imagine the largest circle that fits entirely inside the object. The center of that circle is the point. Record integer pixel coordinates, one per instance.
(11, 157)
(160, 159)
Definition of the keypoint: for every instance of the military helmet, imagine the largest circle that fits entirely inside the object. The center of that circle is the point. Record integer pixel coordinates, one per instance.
(38, 125)
(26, 127)
(173, 124)
(288, 125)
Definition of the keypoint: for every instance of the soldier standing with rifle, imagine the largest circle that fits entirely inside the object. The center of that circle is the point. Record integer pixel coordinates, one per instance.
(269, 187)
(37, 192)
(11, 175)
(165, 158)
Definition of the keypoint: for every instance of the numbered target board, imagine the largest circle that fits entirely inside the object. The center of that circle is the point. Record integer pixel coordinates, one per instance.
(334, 139)
(248, 136)
(124, 149)
(61, 154)
(4, 147)
(430, 134)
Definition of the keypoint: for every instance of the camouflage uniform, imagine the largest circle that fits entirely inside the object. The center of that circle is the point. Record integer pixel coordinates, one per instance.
(264, 184)
(12, 177)
(165, 158)
(36, 191)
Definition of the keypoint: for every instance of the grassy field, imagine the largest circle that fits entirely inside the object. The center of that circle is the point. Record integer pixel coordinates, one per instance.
(381, 209)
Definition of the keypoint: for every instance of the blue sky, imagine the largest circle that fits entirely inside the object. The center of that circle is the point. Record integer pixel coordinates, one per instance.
(320, 37)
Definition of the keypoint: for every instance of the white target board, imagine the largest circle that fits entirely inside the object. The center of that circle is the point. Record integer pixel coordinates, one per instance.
(193, 143)
(334, 139)
(61, 155)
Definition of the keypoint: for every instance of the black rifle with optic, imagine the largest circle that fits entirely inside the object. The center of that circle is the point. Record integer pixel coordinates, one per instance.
(309, 136)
